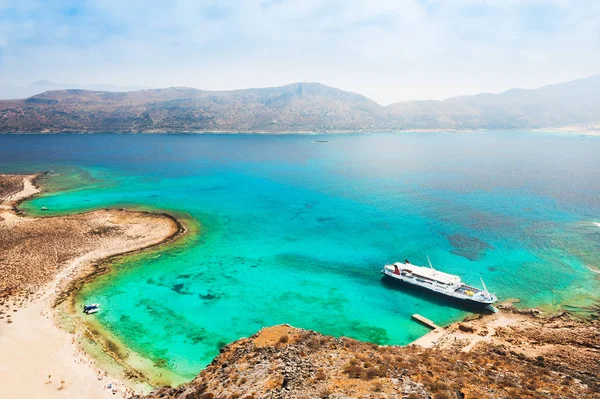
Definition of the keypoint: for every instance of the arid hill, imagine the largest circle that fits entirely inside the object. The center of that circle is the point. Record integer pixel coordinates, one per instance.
(298, 107)
(286, 362)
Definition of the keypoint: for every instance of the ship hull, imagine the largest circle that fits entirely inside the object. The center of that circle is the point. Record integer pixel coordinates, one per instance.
(441, 297)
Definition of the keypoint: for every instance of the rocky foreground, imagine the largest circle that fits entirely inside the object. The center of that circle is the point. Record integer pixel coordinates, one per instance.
(533, 357)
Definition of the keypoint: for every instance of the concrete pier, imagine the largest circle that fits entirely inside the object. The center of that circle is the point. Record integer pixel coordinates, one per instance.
(425, 321)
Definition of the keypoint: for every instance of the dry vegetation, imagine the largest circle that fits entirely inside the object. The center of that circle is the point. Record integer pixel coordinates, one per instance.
(9, 185)
(34, 250)
(284, 362)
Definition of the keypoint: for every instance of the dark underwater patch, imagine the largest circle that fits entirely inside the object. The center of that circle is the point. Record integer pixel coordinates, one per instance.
(178, 324)
(196, 336)
(325, 219)
(222, 344)
(303, 262)
(209, 296)
(133, 328)
(180, 289)
(468, 247)
(373, 334)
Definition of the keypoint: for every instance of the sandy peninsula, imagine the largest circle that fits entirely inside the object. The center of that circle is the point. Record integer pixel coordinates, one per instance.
(40, 259)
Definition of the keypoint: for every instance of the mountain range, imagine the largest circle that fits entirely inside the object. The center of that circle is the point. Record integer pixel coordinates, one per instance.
(299, 107)
(9, 91)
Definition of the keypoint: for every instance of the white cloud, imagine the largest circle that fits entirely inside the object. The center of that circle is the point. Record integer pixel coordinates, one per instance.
(388, 50)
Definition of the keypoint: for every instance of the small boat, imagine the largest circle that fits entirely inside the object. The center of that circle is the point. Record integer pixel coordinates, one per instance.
(91, 309)
(44, 208)
(441, 283)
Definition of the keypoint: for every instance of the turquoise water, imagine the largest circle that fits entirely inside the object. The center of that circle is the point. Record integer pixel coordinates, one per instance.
(294, 231)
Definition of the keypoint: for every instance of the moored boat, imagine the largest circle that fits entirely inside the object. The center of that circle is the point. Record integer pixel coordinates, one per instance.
(91, 309)
(439, 282)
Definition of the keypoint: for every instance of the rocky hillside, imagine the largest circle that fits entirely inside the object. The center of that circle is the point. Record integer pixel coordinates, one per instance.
(285, 362)
(573, 104)
(298, 107)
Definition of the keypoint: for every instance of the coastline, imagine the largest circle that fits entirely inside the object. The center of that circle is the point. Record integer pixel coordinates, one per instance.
(568, 130)
(83, 367)
(41, 359)
(112, 354)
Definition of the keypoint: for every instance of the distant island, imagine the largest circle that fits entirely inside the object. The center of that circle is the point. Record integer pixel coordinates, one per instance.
(299, 108)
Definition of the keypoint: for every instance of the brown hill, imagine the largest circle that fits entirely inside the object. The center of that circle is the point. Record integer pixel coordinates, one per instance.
(295, 107)
(298, 107)
(531, 358)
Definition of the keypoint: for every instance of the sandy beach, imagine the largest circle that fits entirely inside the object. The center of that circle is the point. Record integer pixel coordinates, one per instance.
(40, 360)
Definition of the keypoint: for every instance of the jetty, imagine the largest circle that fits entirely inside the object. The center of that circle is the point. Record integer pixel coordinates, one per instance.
(430, 339)
(425, 321)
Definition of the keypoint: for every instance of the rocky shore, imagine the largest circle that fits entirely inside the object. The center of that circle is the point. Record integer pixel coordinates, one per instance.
(513, 354)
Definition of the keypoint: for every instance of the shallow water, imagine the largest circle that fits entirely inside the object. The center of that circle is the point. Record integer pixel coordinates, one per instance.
(294, 231)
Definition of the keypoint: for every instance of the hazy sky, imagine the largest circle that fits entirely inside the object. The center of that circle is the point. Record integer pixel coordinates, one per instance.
(389, 50)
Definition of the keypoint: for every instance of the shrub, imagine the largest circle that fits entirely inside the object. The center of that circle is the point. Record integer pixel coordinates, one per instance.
(284, 339)
(377, 386)
(320, 376)
(371, 373)
(313, 344)
(353, 371)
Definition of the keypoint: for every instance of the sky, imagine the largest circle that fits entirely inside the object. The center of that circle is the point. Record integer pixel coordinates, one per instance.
(388, 50)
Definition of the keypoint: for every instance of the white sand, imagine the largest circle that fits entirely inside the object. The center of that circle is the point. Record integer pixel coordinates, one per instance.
(35, 354)
(34, 348)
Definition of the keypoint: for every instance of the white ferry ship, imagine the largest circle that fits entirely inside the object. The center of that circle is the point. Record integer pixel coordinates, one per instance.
(443, 283)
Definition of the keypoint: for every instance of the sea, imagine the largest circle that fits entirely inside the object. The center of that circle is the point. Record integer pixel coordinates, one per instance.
(296, 228)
